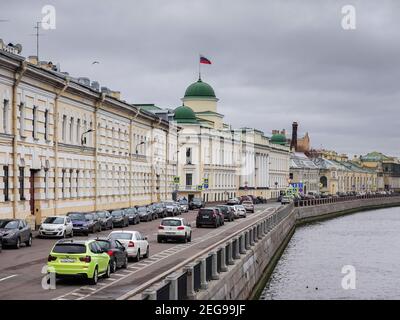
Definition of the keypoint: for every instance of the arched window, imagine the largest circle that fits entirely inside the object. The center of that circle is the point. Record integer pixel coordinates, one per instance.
(324, 181)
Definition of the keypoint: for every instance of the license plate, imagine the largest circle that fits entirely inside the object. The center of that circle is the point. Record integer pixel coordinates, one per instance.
(206, 217)
(170, 232)
(67, 260)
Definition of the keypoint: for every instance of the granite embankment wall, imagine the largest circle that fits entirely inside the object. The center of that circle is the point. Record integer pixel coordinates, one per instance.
(247, 275)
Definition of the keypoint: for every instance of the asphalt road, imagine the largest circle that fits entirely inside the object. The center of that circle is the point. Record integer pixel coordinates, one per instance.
(21, 277)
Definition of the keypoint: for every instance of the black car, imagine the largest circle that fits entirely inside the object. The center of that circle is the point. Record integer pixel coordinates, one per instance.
(221, 216)
(79, 223)
(144, 213)
(153, 210)
(105, 219)
(93, 222)
(261, 199)
(133, 215)
(161, 209)
(227, 211)
(14, 232)
(207, 216)
(196, 203)
(119, 218)
(116, 251)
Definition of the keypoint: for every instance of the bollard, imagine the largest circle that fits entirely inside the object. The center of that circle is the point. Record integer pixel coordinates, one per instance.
(190, 280)
(247, 240)
(214, 266)
(173, 285)
(223, 259)
(242, 249)
(151, 293)
(203, 281)
(229, 246)
(259, 232)
(251, 237)
(235, 249)
(255, 237)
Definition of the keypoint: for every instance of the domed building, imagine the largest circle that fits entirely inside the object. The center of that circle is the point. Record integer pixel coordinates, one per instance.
(185, 115)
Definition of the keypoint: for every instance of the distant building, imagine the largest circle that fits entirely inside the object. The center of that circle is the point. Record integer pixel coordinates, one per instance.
(305, 172)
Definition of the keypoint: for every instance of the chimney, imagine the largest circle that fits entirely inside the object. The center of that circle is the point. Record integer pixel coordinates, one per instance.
(33, 59)
(293, 143)
(116, 94)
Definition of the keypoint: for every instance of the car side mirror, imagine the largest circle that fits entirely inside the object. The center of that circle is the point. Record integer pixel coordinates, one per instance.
(20, 228)
(145, 238)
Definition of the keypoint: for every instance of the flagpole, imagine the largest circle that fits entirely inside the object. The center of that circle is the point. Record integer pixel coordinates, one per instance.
(199, 68)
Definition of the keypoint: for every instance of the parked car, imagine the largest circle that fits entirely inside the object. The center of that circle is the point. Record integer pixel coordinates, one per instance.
(1, 243)
(235, 212)
(80, 225)
(233, 201)
(84, 258)
(242, 213)
(245, 198)
(248, 205)
(227, 211)
(135, 243)
(56, 226)
(116, 251)
(153, 210)
(221, 216)
(207, 216)
(93, 222)
(261, 199)
(196, 203)
(105, 219)
(119, 218)
(144, 213)
(133, 216)
(184, 205)
(174, 229)
(172, 208)
(286, 200)
(14, 232)
(161, 209)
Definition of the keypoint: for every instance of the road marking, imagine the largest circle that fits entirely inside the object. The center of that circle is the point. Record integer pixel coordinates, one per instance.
(9, 277)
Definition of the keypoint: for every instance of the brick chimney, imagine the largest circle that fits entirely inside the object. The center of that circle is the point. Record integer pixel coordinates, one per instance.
(293, 142)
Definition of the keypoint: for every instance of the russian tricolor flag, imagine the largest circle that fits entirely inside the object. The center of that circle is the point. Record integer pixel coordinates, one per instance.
(204, 60)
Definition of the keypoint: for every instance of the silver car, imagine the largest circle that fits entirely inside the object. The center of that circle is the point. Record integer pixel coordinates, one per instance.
(241, 210)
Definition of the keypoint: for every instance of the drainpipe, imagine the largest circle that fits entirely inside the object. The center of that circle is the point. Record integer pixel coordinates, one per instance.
(56, 121)
(98, 105)
(131, 158)
(18, 76)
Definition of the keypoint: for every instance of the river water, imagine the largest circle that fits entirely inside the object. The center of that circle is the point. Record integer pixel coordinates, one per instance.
(311, 265)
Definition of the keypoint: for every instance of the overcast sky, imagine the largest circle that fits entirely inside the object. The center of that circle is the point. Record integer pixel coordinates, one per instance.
(274, 62)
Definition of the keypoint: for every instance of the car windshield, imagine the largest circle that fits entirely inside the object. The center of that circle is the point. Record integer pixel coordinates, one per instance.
(116, 213)
(247, 202)
(89, 216)
(206, 211)
(69, 248)
(240, 207)
(183, 201)
(8, 224)
(54, 220)
(121, 235)
(104, 244)
(101, 214)
(76, 216)
(171, 222)
(142, 209)
(196, 200)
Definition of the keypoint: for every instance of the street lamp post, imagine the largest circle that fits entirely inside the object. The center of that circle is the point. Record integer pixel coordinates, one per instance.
(83, 139)
(136, 148)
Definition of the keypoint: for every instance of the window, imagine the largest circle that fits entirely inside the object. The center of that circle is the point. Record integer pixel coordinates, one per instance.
(64, 128)
(34, 122)
(71, 131)
(22, 119)
(70, 183)
(63, 183)
(77, 182)
(46, 124)
(46, 183)
(189, 179)
(6, 183)
(188, 155)
(21, 183)
(78, 130)
(5, 115)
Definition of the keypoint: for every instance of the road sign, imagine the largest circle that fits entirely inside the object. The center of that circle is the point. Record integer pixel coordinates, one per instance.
(205, 186)
(177, 179)
(199, 187)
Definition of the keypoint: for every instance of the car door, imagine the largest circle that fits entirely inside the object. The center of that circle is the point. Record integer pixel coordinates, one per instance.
(141, 242)
(68, 225)
(102, 257)
(24, 231)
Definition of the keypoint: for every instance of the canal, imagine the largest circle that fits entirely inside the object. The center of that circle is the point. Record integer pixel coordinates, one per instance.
(311, 265)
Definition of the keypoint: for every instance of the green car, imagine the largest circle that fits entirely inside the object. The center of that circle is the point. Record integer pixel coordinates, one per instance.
(85, 258)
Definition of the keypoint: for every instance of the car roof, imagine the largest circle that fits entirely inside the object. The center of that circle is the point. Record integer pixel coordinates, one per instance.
(73, 241)
(173, 218)
(124, 231)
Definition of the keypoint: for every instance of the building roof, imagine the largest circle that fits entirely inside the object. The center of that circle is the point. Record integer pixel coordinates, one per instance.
(300, 161)
(278, 138)
(184, 114)
(374, 157)
(200, 89)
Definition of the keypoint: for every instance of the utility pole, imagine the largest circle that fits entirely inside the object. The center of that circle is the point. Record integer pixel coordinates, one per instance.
(37, 35)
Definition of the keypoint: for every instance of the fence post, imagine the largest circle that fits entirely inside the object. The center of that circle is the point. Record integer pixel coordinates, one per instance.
(229, 246)
(203, 281)
(173, 285)
(223, 259)
(214, 266)
(255, 237)
(251, 238)
(242, 249)
(151, 293)
(235, 248)
(247, 240)
(259, 233)
(190, 280)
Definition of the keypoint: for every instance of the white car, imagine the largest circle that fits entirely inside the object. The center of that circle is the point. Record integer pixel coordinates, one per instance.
(286, 200)
(135, 243)
(241, 210)
(56, 226)
(174, 228)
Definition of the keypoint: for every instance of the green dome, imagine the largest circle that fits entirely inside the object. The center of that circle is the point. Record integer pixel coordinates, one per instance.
(185, 114)
(278, 139)
(200, 89)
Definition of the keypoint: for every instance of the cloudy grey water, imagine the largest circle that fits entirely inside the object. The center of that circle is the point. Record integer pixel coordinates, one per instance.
(311, 265)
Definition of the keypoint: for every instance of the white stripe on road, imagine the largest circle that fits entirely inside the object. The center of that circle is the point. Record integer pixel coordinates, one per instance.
(9, 277)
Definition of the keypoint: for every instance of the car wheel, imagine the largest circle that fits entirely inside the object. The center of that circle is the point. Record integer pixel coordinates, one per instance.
(137, 258)
(29, 242)
(64, 235)
(71, 234)
(147, 252)
(108, 271)
(190, 238)
(113, 266)
(185, 239)
(125, 265)
(18, 243)
(216, 225)
(95, 277)
(198, 225)
(159, 240)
